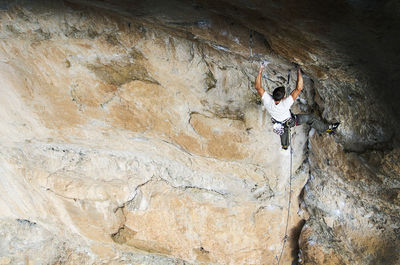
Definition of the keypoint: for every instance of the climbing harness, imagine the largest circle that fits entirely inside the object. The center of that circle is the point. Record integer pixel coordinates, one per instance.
(285, 238)
(278, 128)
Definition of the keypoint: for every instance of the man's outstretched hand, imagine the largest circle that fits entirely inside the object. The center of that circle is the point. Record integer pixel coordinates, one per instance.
(265, 63)
(258, 86)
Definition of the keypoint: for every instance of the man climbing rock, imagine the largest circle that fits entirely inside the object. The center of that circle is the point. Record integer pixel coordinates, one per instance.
(279, 108)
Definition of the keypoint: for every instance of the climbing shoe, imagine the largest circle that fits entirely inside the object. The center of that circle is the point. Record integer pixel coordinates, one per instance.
(284, 147)
(332, 127)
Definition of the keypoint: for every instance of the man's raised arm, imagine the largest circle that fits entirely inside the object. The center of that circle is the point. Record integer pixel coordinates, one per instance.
(295, 93)
(259, 88)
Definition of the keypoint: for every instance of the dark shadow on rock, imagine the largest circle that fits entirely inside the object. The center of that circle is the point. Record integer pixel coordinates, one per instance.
(294, 235)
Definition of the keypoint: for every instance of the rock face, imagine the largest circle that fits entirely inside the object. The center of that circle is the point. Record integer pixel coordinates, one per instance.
(131, 133)
(354, 202)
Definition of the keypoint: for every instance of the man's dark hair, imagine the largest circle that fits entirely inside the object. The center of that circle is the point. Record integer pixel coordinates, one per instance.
(278, 93)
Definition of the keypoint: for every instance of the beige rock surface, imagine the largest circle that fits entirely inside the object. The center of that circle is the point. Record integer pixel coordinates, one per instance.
(355, 221)
(136, 139)
(132, 134)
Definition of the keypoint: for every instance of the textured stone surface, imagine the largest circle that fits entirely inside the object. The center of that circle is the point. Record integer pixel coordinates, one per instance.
(354, 203)
(126, 135)
(131, 133)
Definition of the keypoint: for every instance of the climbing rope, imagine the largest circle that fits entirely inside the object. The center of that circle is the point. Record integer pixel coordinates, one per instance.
(285, 238)
(251, 43)
(288, 82)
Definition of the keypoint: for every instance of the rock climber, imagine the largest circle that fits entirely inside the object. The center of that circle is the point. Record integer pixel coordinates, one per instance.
(278, 107)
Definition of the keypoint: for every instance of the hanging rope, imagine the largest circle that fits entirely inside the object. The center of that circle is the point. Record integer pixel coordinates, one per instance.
(288, 83)
(251, 43)
(285, 238)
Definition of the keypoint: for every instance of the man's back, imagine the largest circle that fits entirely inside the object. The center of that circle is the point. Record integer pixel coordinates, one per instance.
(281, 111)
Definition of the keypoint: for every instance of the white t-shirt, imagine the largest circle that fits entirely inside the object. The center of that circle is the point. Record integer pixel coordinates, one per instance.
(281, 111)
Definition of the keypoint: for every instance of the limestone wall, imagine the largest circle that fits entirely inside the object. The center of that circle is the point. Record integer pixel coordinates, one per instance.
(135, 136)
